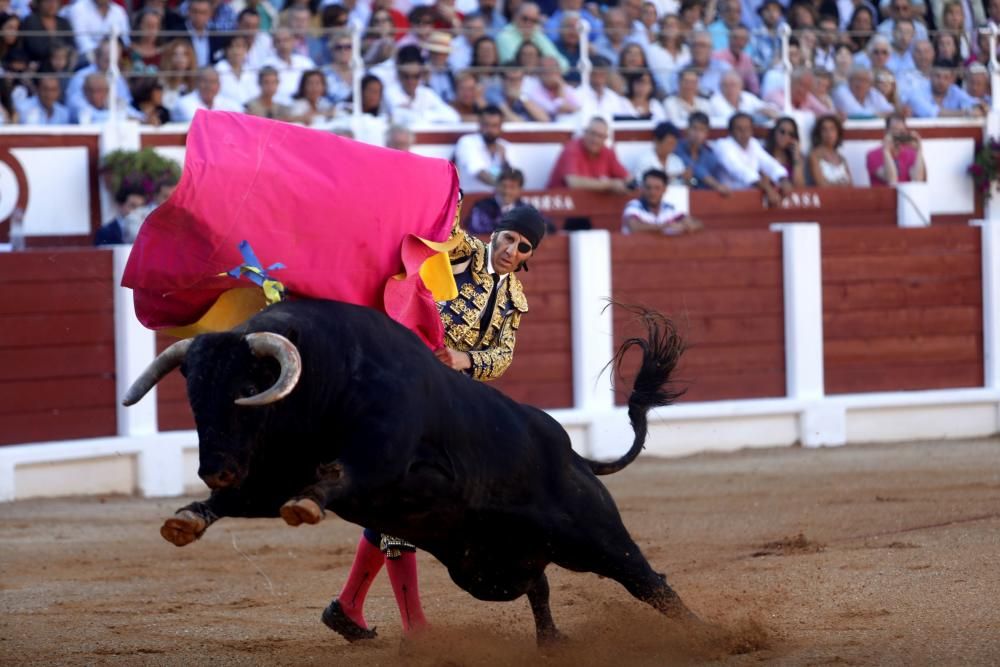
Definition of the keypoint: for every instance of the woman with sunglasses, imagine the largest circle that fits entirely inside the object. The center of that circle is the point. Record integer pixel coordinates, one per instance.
(783, 145)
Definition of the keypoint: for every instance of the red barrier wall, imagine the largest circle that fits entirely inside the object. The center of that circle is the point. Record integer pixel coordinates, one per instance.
(902, 309)
(57, 348)
(725, 292)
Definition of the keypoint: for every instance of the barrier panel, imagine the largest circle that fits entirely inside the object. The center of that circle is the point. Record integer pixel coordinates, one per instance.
(902, 309)
(57, 345)
(725, 290)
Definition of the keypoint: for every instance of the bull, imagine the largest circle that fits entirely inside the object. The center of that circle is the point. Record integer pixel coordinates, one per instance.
(319, 405)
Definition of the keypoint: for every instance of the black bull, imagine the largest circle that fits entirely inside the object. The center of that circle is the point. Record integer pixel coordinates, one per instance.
(318, 404)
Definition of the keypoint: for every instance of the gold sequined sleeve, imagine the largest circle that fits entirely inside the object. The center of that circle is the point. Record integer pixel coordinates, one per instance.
(491, 363)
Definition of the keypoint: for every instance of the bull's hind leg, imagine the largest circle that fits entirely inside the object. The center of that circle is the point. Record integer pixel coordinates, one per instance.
(625, 564)
(538, 596)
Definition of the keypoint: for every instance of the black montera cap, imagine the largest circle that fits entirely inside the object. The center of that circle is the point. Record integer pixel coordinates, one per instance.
(526, 221)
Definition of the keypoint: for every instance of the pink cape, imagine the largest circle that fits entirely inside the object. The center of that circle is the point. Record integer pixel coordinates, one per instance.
(343, 217)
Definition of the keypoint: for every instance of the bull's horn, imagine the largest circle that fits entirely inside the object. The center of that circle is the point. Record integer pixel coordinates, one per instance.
(267, 344)
(167, 361)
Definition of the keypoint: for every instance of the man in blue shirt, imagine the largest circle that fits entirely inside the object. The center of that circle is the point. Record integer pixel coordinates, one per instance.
(44, 108)
(697, 155)
(941, 97)
(554, 22)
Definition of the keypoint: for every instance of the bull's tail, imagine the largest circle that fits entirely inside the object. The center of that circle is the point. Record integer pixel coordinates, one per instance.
(661, 350)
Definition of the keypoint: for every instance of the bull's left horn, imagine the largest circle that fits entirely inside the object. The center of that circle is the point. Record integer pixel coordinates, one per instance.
(167, 361)
(267, 344)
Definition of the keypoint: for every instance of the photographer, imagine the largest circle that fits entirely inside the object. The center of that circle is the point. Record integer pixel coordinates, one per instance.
(900, 158)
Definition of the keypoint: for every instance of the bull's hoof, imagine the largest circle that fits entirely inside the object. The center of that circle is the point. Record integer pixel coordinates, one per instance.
(302, 510)
(335, 619)
(183, 528)
(550, 639)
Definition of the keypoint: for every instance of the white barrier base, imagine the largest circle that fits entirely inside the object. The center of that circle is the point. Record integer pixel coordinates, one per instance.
(166, 464)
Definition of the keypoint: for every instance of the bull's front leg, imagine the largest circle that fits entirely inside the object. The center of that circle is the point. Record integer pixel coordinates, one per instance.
(307, 506)
(190, 522)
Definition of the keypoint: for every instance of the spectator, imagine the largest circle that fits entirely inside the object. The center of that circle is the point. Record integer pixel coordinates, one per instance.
(765, 44)
(372, 96)
(661, 155)
(953, 20)
(236, 80)
(439, 77)
(670, 54)
(93, 21)
(148, 101)
(639, 93)
(858, 98)
(45, 20)
(710, 71)
(917, 78)
(598, 98)
(464, 45)
(421, 20)
(179, 71)
(146, 49)
(692, 15)
(94, 109)
(44, 108)
(861, 27)
(306, 44)
(729, 18)
(486, 213)
(900, 57)
(977, 84)
(821, 88)
(121, 229)
(843, 59)
(265, 105)
(876, 54)
(614, 36)
(409, 100)
(568, 43)
(900, 157)
(525, 29)
(495, 19)
(944, 98)
(650, 19)
(947, 50)
(101, 65)
(486, 63)
(379, 41)
(171, 20)
(550, 93)
(745, 164)
(288, 64)
(899, 10)
(885, 83)
(555, 21)
(338, 72)
(783, 145)
(732, 98)
(513, 99)
(687, 101)
(827, 167)
(631, 61)
(824, 55)
(652, 213)
(469, 99)
(588, 164)
(399, 138)
(204, 96)
(774, 78)
(482, 156)
(17, 75)
(249, 23)
(199, 13)
(311, 106)
(529, 58)
(737, 56)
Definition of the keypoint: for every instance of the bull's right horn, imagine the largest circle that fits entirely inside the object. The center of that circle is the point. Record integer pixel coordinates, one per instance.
(268, 344)
(167, 361)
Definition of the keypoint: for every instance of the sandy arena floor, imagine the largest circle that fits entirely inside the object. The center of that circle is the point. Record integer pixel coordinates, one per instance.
(875, 555)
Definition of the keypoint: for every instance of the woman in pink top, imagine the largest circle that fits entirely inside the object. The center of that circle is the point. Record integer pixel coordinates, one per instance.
(900, 159)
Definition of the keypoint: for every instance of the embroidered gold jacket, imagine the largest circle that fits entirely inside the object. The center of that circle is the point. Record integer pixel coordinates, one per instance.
(489, 338)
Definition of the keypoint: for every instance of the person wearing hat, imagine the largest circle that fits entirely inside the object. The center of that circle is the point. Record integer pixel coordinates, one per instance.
(439, 76)
(480, 326)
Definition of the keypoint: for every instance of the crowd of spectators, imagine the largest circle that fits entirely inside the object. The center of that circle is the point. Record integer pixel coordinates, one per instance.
(445, 60)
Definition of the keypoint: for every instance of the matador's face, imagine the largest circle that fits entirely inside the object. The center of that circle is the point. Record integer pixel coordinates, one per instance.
(509, 250)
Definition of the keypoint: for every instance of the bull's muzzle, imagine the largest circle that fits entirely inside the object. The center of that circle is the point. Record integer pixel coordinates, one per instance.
(219, 480)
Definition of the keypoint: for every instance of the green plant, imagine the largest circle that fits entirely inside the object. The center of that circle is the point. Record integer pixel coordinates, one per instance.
(144, 169)
(985, 168)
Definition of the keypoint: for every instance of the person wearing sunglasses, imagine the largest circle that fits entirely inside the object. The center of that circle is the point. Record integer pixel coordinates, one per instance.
(480, 326)
(525, 27)
(409, 100)
(783, 145)
(858, 98)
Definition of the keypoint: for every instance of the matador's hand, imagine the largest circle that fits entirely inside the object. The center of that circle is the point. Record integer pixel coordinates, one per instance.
(459, 361)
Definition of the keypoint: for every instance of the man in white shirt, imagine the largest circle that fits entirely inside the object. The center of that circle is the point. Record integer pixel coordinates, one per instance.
(44, 108)
(481, 157)
(745, 164)
(288, 64)
(652, 213)
(261, 45)
(408, 100)
(92, 20)
(95, 108)
(102, 61)
(598, 99)
(204, 96)
(732, 98)
(661, 155)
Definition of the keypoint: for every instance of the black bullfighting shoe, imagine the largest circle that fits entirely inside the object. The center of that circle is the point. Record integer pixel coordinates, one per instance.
(335, 619)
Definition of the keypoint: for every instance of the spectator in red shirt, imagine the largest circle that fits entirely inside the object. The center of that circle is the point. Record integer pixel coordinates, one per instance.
(588, 164)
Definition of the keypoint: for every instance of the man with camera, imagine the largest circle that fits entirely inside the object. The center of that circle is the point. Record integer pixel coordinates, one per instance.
(900, 159)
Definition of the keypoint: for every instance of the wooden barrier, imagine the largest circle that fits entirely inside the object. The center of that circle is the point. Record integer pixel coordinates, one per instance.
(866, 207)
(57, 347)
(725, 292)
(902, 309)
(173, 412)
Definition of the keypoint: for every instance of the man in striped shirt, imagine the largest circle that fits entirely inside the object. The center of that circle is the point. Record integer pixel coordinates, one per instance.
(652, 213)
